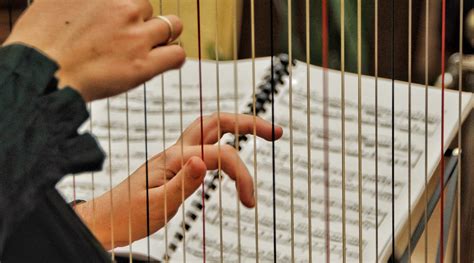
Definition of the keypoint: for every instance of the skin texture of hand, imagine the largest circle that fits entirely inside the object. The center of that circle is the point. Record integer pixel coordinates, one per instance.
(103, 47)
(169, 182)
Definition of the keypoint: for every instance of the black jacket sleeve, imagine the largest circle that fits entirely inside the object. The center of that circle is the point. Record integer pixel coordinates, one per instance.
(39, 142)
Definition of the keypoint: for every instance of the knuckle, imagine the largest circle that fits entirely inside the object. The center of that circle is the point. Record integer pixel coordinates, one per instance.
(130, 10)
(138, 65)
(213, 120)
(148, 8)
(197, 120)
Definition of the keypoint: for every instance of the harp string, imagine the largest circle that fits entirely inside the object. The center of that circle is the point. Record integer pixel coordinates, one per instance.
(308, 125)
(359, 120)
(219, 133)
(443, 48)
(410, 13)
(254, 113)
(272, 53)
(325, 43)
(236, 134)
(163, 123)
(343, 130)
(127, 120)
(112, 237)
(201, 108)
(425, 218)
(458, 226)
(181, 143)
(92, 174)
(393, 127)
(237, 143)
(290, 86)
(146, 171)
(376, 73)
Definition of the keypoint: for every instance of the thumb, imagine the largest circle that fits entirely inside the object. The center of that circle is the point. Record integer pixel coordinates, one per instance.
(185, 183)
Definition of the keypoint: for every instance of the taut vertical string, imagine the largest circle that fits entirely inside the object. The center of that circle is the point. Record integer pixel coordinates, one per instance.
(272, 53)
(146, 173)
(290, 85)
(92, 174)
(326, 128)
(254, 113)
(425, 218)
(163, 135)
(443, 47)
(219, 133)
(112, 237)
(128, 181)
(359, 120)
(458, 236)
(308, 127)
(203, 199)
(376, 62)
(343, 131)
(393, 130)
(236, 133)
(409, 123)
(181, 143)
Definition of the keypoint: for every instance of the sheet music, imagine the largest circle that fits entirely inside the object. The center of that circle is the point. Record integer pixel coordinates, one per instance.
(191, 106)
(190, 112)
(264, 163)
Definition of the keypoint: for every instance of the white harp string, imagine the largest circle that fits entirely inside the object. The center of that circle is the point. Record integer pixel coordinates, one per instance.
(376, 74)
(359, 121)
(425, 218)
(219, 132)
(308, 127)
(129, 186)
(236, 110)
(290, 86)
(91, 124)
(236, 131)
(343, 131)
(254, 111)
(409, 123)
(163, 123)
(112, 236)
(181, 144)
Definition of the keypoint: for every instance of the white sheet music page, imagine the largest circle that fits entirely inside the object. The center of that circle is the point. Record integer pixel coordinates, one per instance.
(190, 85)
(191, 107)
(300, 195)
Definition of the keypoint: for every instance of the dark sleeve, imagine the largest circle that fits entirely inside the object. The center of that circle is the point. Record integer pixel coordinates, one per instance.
(39, 142)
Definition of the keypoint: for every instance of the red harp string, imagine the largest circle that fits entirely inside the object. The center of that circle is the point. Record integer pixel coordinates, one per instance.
(325, 43)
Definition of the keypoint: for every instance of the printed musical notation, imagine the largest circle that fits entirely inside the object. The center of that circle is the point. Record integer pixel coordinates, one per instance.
(241, 227)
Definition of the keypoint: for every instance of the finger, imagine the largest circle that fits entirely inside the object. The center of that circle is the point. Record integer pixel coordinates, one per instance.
(160, 32)
(231, 164)
(228, 123)
(186, 182)
(162, 59)
(146, 8)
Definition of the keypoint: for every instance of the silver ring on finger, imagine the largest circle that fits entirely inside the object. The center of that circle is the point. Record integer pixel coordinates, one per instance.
(170, 26)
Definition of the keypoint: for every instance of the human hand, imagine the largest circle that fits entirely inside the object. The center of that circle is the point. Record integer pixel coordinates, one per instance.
(104, 47)
(169, 180)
